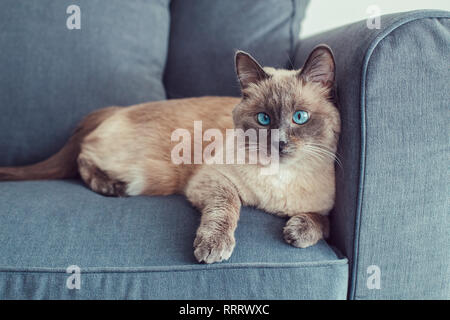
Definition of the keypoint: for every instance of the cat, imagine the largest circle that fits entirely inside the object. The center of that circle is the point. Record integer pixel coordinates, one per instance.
(126, 151)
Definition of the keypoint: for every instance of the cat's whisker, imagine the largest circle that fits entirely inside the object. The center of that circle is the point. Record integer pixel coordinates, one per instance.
(325, 147)
(328, 154)
(314, 155)
(324, 152)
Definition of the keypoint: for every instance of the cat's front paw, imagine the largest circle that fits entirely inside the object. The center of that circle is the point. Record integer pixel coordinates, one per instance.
(303, 231)
(210, 246)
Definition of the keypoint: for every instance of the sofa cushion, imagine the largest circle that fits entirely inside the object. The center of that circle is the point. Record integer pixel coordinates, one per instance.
(141, 247)
(50, 76)
(204, 36)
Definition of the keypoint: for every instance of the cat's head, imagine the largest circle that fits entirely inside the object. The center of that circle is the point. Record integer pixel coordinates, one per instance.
(299, 103)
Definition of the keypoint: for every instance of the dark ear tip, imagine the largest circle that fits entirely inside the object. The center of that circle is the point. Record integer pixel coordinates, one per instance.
(324, 47)
(320, 66)
(240, 53)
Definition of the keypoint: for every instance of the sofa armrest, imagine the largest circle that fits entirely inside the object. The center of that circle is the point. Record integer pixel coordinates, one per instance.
(392, 196)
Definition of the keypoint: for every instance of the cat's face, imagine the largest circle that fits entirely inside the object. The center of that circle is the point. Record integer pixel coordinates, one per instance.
(299, 103)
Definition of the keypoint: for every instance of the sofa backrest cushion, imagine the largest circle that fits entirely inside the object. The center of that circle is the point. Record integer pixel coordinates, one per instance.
(205, 34)
(51, 76)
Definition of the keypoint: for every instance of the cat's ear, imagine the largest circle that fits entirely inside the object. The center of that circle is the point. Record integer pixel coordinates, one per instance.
(248, 70)
(320, 67)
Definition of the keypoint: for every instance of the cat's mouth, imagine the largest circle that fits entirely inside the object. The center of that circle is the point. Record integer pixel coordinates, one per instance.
(285, 153)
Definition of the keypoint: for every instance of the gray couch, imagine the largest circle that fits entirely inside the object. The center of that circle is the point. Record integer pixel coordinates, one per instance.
(390, 226)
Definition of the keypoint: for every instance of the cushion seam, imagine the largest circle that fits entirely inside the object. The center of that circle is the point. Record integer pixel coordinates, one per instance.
(89, 270)
(161, 271)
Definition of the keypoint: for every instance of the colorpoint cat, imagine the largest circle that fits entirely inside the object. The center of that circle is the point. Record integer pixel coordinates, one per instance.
(126, 151)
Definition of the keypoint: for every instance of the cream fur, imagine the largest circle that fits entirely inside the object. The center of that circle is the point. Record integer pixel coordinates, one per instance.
(133, 147)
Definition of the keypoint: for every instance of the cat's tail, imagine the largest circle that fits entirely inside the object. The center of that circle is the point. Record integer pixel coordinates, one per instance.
(63, 164)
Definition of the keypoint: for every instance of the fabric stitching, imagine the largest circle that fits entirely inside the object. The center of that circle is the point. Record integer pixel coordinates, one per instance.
(341, 262)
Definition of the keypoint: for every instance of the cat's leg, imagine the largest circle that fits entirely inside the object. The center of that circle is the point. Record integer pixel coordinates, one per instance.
(219, 203)
(306, 229)
(98, 180)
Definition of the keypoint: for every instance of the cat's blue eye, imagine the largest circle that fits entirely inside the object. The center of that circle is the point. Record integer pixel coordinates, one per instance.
(263, 119)
(300, 117)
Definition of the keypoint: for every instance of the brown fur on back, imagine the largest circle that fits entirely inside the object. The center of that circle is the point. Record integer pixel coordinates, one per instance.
(134, 145)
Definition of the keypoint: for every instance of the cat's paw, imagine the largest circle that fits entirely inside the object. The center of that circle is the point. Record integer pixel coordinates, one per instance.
(210, 246)
(302, 231)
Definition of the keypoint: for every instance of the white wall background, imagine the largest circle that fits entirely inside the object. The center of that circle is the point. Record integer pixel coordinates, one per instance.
(323, 15)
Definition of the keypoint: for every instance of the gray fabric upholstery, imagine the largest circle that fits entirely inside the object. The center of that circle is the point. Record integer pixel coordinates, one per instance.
(142, 248)
(392, 201)
(50, 76)
(205, 34)
(392, 193)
